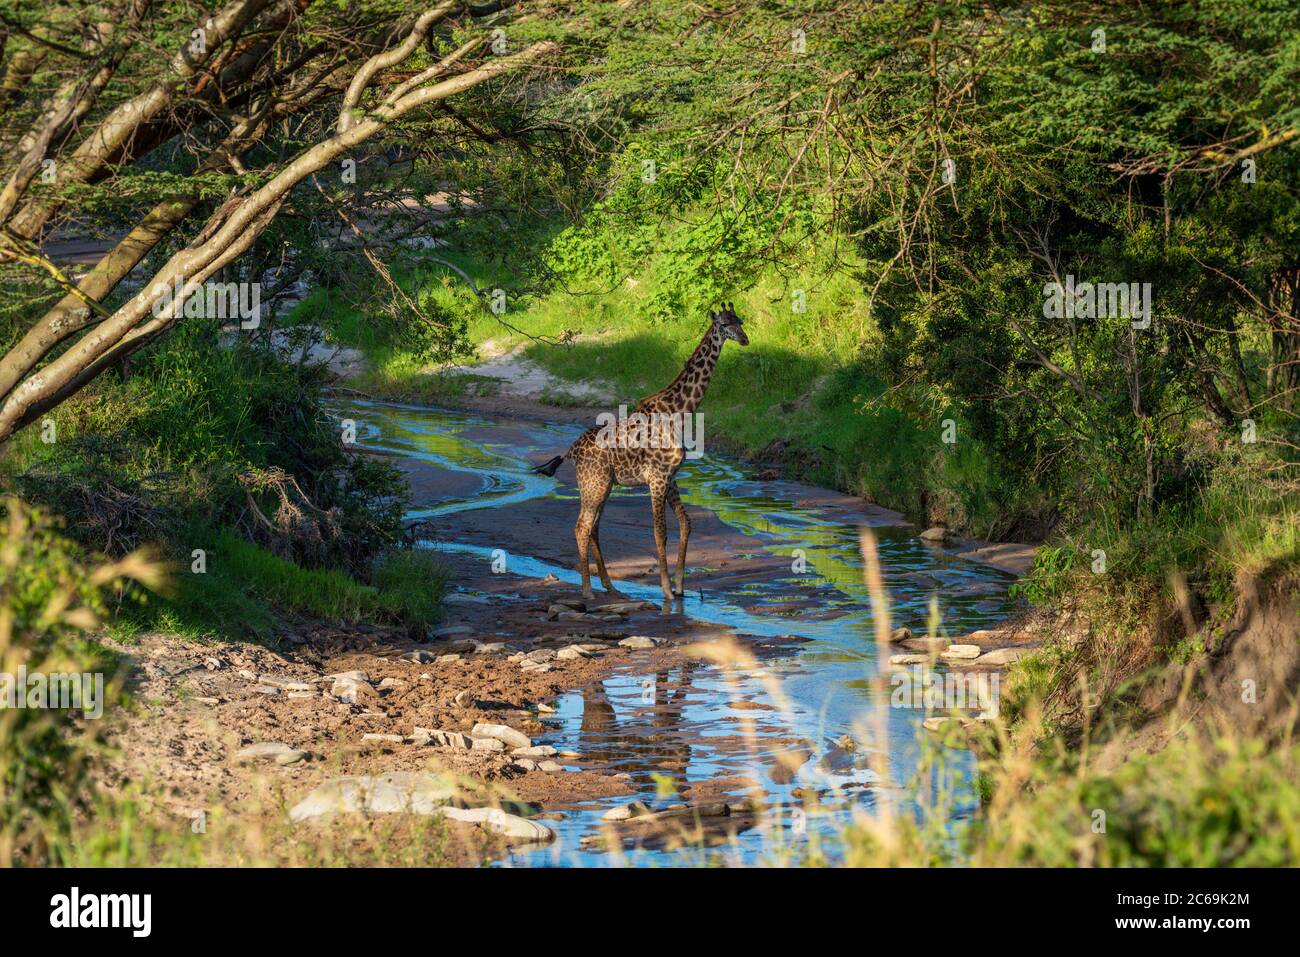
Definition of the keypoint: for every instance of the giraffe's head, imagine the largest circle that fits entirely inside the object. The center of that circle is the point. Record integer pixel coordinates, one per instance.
(727, 322)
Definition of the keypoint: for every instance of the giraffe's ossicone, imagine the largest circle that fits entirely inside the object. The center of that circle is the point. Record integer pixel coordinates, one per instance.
(646, 448)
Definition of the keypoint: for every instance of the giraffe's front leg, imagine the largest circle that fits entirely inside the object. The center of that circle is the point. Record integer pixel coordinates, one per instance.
(658, 494)
(683, 534)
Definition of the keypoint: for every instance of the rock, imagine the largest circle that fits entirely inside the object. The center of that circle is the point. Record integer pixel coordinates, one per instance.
(898, 660)
(534, 667)
(419, 656)
(510, 826)
(490, 648)
(640, 641)
(624, 607)
(540, 655)
(525, 764)
(936, 534)
(464, 699)
(266, 689)
(899, 635)
(535, 751)
(550, 766)
(571, 653)
(448, 659)
(359, 676)
(350, 691)
(543, 708)
(479, 743)
(627, 812)
(275, 751)
(213, 663)
(383, 738)
(1002, 656)
(286, 684)
(576, 616)
(203, 699)
(398, 792)
(389, 683)
(573, 604)
(441, 739)
(961, 652)
(503, 733)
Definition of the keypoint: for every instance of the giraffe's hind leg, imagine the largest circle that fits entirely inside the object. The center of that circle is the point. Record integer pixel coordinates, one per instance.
(595, 548)
(674, 499)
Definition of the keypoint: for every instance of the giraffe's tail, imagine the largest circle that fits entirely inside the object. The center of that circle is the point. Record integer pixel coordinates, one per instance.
(549, 467)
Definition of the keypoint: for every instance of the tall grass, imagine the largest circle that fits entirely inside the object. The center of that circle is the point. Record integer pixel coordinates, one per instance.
(49, 598)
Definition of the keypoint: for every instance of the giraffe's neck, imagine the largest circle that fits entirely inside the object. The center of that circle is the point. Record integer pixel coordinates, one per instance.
(687, 390)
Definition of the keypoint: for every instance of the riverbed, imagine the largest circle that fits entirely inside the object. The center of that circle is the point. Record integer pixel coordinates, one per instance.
(778, 562)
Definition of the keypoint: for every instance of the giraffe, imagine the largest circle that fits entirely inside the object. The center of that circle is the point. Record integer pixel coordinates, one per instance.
(646, 451)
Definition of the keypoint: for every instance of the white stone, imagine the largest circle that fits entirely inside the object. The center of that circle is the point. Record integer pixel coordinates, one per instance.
(503, 733)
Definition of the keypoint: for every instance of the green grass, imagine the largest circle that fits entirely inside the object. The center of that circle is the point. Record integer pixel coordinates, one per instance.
(244, 587)
(805, 381)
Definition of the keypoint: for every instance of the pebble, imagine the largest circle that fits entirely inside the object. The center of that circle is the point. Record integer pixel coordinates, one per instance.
(349, 690)
(441, 739)
(640, 641)
(463, 699)
(397, 792)
(524, 764)
(285, 683)
(503, 733)
(909, 659)
(550, 766)
(624, 607)
(570, 653)
(535, 751)
(1002, 656)
(384, 738)
(350, 676)
(509, 826)
(626, 812)
(960, 651)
